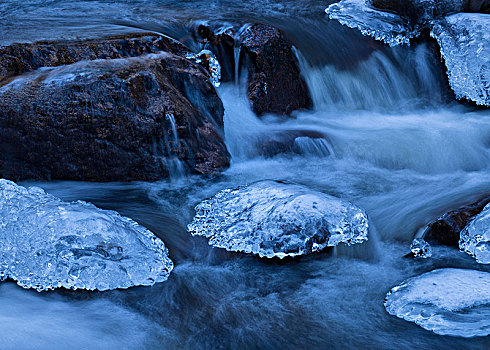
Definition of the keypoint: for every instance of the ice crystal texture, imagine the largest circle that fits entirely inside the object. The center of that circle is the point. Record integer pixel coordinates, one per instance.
(446, 301)
(209, 61)
(420, 248)
(385, 26)
(464, 39)
(278, 219)
(46, 243)
(475, 237)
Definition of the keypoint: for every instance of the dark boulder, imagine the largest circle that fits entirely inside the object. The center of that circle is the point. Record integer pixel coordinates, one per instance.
(111, 120)
(275, 84)
(446, 229)
(17, 59)
(417, 11)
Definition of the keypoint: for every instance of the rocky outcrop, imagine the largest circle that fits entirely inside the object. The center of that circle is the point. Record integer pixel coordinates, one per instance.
(125, 119)
(16, 59)
(274, 83)
(446, 229)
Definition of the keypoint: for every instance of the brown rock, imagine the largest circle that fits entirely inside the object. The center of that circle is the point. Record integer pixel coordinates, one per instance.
(17, 59)
(275, 84)
(447, 228)
(111, 120)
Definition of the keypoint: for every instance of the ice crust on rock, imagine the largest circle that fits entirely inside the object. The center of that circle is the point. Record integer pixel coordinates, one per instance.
(420, 248)
(475, 237)
(207, 59)
(446, 301)
(278, 219)
(384, 26)
(464, 39)
(46, 243)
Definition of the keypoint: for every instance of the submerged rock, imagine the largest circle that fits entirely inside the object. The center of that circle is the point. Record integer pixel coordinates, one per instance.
(447, 228)
(475, 238)
(303, 142)
(446, 301)
(143, 118)
(46, 243)
(278, 219)
(464, 40)
(17, 59)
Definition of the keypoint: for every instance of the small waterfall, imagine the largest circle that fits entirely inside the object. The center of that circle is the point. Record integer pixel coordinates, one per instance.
(175, 165)
(317, 147)
(387, 80)
(237, 52)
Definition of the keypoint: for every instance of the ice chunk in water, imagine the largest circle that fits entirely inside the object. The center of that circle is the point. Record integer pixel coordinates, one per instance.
(448, 301)
(46, 243)
(475, 237)
(384, 26)
(278, 219)
(464, 39)
(420, 248)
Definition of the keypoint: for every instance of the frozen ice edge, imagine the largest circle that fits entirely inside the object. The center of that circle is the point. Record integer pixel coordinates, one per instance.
(446, 301)
(383, 26)
(278, 219)
(46, 243)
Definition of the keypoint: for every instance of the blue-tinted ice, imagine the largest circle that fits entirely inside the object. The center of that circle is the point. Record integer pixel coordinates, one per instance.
(46, 243)
(475, 237)
(278, 219)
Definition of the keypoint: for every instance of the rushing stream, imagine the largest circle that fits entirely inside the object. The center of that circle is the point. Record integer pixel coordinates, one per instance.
(396, 145)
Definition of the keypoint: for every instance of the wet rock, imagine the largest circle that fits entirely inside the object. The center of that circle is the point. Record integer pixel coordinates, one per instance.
(140, 118)
(16, 59)
(417, 11)
(446, 229)
(278, 219)
(275, 84)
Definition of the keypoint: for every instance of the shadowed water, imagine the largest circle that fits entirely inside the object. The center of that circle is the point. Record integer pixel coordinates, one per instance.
(393, 142)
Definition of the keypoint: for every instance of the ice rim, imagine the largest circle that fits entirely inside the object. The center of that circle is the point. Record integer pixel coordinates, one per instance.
(475, 237)
(214, 227)
(162, 264)
(457, 317)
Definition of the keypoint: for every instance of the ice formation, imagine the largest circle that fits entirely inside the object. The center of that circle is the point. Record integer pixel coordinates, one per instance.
(385, 26)
(209, 61)
(420, 248)
(464, 39)
(46, 243)
(446, 301)
(475, 237)
(278, 219)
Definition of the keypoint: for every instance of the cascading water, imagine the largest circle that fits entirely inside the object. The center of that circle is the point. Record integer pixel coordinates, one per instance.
(384, 134)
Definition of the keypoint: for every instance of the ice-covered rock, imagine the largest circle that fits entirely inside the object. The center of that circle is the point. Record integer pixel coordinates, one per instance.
(464, 39)
(475, 237)
(420, 248)
(385, 26)
(278, 219)
(46, 243)
(446, 301)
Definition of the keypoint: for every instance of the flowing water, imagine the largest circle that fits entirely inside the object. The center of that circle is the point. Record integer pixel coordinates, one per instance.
(394, 143)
